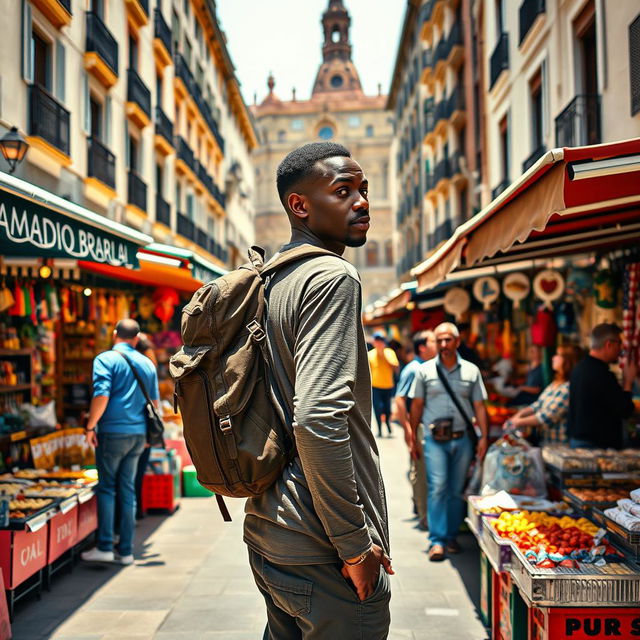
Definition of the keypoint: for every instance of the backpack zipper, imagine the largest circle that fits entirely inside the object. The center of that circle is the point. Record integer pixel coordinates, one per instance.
(205, 379)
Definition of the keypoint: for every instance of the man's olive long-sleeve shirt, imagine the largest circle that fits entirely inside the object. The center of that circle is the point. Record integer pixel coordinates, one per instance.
(330, 501)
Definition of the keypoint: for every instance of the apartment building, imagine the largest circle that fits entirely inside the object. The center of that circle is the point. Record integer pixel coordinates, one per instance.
(132, 109)
(558, 73)
(433, 94)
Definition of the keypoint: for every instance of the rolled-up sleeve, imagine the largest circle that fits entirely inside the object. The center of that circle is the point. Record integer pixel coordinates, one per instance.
(554, 408)
(101, 377)
(326, 365)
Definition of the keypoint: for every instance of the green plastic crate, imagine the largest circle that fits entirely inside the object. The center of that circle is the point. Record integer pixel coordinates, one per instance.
(191, 487)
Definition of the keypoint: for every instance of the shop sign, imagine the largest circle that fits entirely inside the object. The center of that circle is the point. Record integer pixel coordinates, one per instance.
(23, 554)
(63, 533)
(486, 290)
(516, 287)
(548, 285)
(30, 229)
(585, 626)
(457, 302)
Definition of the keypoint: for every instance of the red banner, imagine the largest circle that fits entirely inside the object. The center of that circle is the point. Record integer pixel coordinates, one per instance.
(22, 553)
(87, 518)
(63, 533)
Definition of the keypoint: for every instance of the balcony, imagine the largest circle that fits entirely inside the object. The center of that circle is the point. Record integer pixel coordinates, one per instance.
(185, 155)
(499, 58)
(163, 211)
(137, 12)
(138, 99)
(441, 115)
(442, 171)
(529, 11)
(186, 227)
(49, 123)
(58, 12)
(440, 55)
(202, 238)
(455, 166)
(427, 65)
(429, 116)
(429, 182)
(136, 191)
(455, 49)
(102, 163)
(190, 86)
(162, 45)
(163, 132)
(579, 123)
(500, 188)
(101, 57)
(536, 155)
(456, 107)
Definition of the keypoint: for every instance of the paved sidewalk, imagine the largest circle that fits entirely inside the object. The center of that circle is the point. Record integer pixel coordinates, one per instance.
(191, 581)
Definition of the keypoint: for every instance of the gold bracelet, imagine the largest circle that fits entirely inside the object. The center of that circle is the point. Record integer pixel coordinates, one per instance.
(360, 560)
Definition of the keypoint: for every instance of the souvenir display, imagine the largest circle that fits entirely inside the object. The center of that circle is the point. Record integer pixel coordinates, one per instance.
(486, 290)
(516, 287)
(548, 286)
(456, 302)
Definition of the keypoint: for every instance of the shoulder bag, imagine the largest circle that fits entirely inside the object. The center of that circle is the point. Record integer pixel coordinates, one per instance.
(155, 427)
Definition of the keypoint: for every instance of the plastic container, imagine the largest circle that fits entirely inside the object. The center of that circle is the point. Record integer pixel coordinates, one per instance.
(159, 492)
(191, 487)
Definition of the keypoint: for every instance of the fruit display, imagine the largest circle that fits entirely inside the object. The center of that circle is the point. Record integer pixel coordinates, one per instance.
(498, 414)
(548, 541)
(603, 495)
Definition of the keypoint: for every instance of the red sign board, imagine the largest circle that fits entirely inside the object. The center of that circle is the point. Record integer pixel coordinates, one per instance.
(87, 518)
(5, 623)
(22, 553)
(585, 624)
(63, 533)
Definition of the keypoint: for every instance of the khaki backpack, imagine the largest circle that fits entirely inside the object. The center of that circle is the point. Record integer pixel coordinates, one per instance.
(235, 427)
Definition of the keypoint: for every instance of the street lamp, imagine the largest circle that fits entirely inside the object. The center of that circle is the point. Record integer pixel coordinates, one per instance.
(14, 147)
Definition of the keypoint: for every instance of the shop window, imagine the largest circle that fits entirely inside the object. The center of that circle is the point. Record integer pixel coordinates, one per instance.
(372, 254)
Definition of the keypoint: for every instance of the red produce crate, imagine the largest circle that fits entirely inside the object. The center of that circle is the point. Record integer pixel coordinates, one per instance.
(581, 623)
(159, 492)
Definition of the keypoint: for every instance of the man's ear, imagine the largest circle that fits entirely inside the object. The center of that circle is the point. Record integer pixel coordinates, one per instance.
(298, 205)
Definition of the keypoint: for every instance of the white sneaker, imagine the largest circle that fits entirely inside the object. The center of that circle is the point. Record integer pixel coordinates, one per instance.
(126, 560)
(95, 555)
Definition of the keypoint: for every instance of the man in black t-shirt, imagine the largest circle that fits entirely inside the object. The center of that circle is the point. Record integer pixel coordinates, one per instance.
(597, 403)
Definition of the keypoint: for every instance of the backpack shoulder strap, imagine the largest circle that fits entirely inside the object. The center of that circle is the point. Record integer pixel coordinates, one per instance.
(293, 255)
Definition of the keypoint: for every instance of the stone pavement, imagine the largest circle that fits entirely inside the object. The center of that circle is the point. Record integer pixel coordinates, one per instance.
(191, 581)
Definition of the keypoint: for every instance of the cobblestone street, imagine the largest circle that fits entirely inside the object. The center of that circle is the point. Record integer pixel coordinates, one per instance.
(191, 581)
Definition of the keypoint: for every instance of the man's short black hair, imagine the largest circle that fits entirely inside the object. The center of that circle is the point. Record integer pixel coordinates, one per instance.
(127, 329)
(300, 163)
(604, 332)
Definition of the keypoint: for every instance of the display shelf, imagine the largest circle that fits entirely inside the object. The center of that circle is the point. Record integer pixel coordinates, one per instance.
(15, 388)
(24, 434)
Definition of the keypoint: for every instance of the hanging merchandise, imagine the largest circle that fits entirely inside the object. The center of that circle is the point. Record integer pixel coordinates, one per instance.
(605, 296)
(145, 307)
(544, 329)
(165, 299)
(486, 290)
(516, 287)
(566, 318)
(548, 286)
(456, 302)
(6, 298)
(631, 309)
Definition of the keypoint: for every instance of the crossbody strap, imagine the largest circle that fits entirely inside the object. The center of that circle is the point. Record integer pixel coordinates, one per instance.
(454, 397)
(136, 375)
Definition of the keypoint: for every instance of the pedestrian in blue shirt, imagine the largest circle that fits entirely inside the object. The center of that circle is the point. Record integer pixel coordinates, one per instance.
(117, 429)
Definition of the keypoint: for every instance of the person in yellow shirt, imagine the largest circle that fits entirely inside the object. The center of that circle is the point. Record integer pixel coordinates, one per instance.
(383, 363)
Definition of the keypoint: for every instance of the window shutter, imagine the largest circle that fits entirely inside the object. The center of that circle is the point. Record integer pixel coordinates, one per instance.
(107, 122)
(634, 65)
(27, 62)
(87, 103)
(60, 71)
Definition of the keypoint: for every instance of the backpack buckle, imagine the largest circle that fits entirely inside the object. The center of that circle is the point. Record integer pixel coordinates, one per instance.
(225, 423)
(256, 331)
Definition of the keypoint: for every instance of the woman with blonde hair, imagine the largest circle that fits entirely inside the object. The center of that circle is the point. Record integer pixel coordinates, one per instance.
(547, 416)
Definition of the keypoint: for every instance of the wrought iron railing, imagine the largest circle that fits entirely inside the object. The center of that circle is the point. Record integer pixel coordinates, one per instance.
(186, 227)
(102, 163)
(48, 118)
(579, 123)
(100, 40)
(529, 11)
(499, 58)
(163, 211)
(164, 126)
(185, 153)
(455, 101)
(161, 30)
(138, 92)
(136, 190)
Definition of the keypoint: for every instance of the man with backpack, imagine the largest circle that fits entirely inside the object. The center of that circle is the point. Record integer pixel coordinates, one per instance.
(318, 538)
(117, 428)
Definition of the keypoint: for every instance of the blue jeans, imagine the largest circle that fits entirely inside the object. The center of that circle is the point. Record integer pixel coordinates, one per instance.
(117, 460)
(447, 466)
(381, 399)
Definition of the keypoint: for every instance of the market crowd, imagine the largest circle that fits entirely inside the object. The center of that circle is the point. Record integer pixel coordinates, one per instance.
(436, 391)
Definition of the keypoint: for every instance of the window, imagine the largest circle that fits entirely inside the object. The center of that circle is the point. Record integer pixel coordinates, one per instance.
(159, 179)
(297, 124)
(504, 147)
(535, 89)
(372, 254)
(41, 61)
(354, 121)
(133, 53)
(96, 118)
(200, 75)
(186, 7)
(326, 133)
(369, 131)
(634, 64)
(199, 38)
(175, 30)
(388, 253)
(159, 89)
(134, 149)
(187, 51)
(97, 6)
(282, 136)
(178, 196)
(335, 34)
(191, 209)
(336, 81)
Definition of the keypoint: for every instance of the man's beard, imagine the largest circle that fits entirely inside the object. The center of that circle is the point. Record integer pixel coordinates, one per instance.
(353, 242)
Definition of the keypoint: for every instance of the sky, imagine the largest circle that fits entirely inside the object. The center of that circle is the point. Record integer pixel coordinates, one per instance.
(285, 37)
